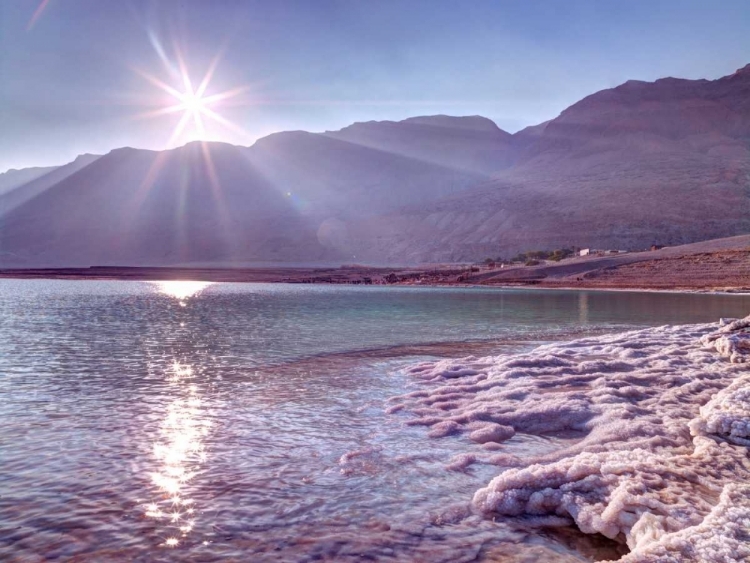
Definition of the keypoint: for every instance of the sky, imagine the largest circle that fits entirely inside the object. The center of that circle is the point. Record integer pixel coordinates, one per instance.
(88, 76)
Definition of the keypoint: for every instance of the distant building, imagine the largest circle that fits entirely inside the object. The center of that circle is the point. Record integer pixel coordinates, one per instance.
(584, 252)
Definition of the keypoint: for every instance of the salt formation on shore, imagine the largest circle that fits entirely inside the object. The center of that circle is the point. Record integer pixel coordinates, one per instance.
(663, 417)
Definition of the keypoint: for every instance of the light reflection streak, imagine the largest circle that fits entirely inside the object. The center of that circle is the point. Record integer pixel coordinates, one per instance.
(181, 289)
(180, 452)
(583, 307)
(216, 190)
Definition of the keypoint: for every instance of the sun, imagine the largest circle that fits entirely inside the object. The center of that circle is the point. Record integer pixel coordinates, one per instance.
(196, 107)
(193, 103)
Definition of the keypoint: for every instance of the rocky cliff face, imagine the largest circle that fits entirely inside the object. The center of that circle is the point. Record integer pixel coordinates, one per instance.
(664, 162)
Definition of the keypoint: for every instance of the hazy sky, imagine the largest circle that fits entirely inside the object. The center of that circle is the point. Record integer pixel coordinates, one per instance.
(71, 71)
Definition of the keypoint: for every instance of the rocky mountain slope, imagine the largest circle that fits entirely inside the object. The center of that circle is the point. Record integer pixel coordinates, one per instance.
(666, 162)
(281, 200)
(466, 143)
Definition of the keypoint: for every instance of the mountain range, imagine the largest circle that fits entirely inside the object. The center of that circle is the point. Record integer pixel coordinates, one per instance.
(663, 162)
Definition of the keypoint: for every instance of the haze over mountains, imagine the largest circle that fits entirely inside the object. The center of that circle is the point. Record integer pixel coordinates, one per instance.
(13, 178)
(664, 162)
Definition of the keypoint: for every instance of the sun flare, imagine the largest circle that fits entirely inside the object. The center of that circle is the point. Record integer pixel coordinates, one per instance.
(193, 103)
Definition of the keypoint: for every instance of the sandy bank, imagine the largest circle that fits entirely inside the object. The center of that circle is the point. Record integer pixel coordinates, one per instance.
(716, 265)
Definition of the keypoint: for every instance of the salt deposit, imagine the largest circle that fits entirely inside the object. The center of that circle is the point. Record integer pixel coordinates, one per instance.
(663, 421)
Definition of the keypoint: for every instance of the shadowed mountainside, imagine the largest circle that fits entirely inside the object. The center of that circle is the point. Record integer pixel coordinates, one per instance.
(13, 178)
(38, 185)
(666, 162)
(146, 207)
(465, 143)
(284, 199)
(347, 179)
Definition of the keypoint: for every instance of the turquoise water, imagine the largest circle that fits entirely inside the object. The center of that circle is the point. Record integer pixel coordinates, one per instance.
(176, 421)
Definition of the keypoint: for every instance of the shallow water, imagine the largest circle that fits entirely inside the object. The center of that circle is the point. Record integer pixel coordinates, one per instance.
(187, 421)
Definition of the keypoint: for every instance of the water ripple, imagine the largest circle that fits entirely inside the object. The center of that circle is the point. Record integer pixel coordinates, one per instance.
(196, 422)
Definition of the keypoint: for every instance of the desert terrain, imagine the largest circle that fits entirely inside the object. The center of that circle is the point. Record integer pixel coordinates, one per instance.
(714, 265)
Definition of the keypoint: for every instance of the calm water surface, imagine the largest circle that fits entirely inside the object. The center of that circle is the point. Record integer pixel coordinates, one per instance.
(178, 421)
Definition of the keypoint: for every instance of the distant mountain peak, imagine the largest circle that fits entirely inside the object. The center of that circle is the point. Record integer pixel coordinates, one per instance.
(467, 123)
(283, 136)
(663, 161)
(469, 143)
(87, 156)
(473, 122)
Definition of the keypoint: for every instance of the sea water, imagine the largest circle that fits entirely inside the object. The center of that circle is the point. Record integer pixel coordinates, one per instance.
(173, 421)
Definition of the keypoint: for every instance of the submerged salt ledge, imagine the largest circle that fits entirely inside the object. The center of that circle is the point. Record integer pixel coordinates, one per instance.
(664, 420)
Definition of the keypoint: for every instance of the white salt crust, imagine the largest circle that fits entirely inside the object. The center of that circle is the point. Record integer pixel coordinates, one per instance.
(664, 420)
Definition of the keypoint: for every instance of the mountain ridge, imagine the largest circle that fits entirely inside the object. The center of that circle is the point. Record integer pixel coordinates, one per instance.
(644, 162)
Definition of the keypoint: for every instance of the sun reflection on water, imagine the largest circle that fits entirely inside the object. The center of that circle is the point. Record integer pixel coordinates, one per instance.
(181, 289)
(180, 452)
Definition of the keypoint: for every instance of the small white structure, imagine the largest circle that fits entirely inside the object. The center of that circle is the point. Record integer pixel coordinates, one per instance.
(584, 252)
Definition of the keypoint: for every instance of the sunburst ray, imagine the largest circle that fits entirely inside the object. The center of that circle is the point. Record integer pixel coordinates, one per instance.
(197, 108)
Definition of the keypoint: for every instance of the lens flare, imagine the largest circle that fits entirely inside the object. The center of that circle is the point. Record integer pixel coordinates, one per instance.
(193, 103)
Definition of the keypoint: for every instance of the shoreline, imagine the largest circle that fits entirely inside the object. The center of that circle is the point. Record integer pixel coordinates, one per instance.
(641, 481)
(439, 276)
(712, 266)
